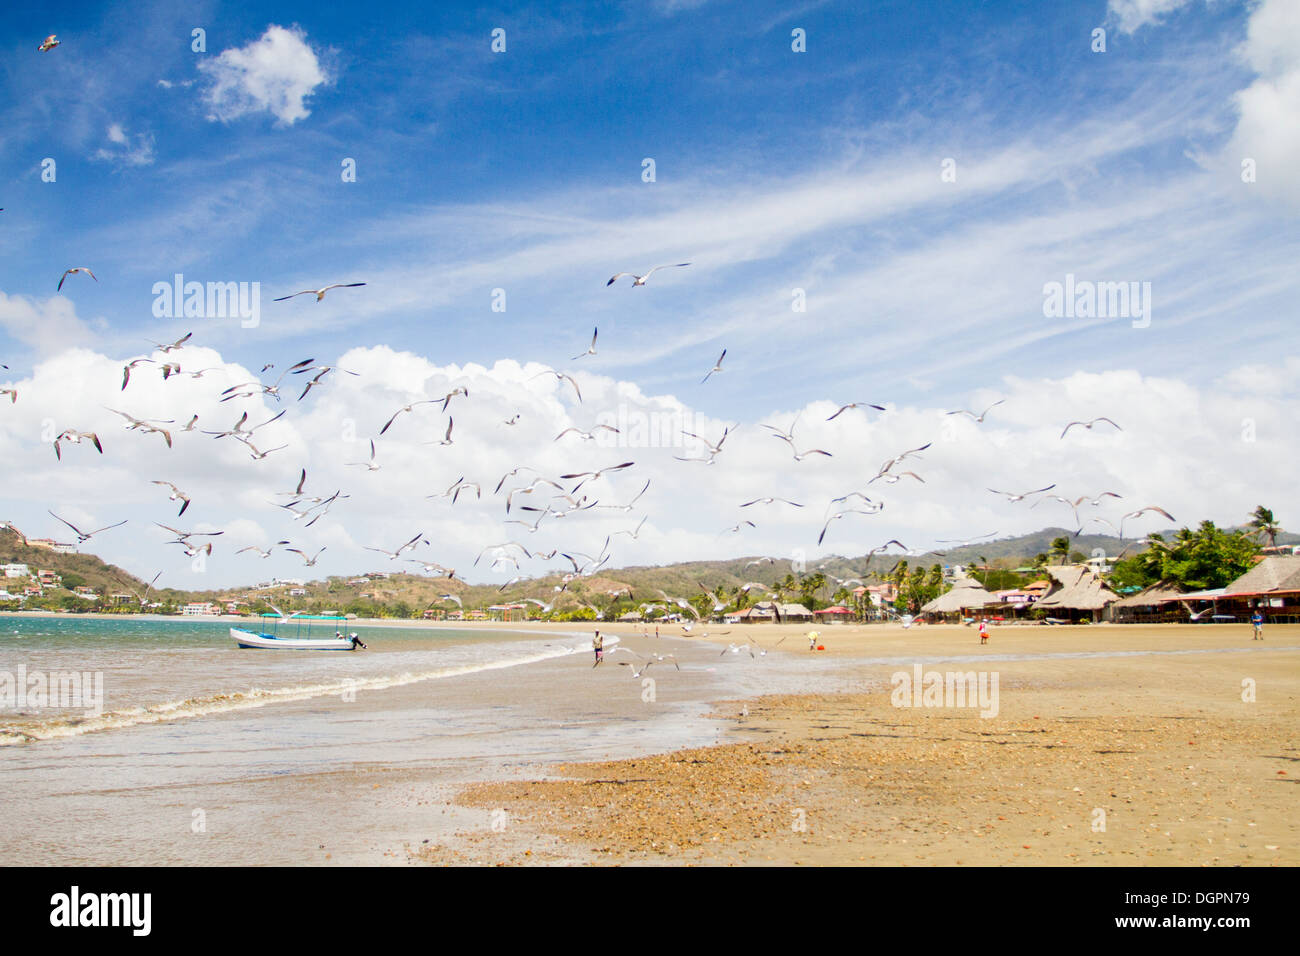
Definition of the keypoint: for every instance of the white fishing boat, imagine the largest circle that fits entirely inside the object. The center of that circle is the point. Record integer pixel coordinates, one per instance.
(274, 633)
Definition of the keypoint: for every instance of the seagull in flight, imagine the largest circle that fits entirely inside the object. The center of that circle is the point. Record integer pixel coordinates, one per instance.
(394, 555)
(320, 293)
(84, 536)
(1013, 497)
(49, 43)
(75, 437)
(587, 436)
(1088, 425)
(71, 272)
(591, 350)
(768, 501)
(561, 376)
(593, 475)
(980, 417)
(834, 517)
(173, 346)
(370, 465)
(261, 553)
(176, 495)
(446, 439)
(640, 280)
(307, 562)
(717, 367)
(845, 408)
(407, 408)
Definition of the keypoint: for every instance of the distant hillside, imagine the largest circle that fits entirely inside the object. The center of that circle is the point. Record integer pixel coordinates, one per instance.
(403, 594)
(75, 569)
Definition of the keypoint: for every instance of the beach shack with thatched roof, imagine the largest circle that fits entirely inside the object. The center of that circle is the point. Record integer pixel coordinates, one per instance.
(1271, 586)
(967, 594)
(1157, 603)
(1077, 593)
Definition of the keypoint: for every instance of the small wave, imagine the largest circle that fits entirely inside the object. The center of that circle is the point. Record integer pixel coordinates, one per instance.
(74, 726)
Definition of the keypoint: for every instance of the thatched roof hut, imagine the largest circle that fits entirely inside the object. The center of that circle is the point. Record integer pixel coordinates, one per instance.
(1075, 587)
(1274, 574)
(965, 594)
(1162, 592)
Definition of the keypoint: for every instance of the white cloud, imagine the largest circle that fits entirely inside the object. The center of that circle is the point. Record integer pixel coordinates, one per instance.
(126, 150)
(1135, 14)
(1268, 128)
(48, 326)
(274, 73)
(1179, 438)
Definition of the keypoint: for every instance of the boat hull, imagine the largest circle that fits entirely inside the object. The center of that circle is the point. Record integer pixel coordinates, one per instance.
(248, 639)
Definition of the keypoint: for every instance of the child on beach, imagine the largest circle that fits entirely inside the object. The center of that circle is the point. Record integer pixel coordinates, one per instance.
(599, 645)
(1257, 619)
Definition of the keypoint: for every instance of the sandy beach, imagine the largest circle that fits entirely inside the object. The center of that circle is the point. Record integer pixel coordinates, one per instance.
(1112, 745)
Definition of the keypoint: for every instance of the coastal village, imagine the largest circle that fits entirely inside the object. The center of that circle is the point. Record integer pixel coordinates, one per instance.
(1074, 591)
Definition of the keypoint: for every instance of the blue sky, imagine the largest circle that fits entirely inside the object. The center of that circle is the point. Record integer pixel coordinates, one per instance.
(775, 171)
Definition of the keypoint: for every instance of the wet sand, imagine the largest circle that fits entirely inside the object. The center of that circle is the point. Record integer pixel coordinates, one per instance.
(1137, 749)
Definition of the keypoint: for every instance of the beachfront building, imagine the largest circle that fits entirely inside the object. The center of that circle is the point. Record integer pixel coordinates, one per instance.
(838, 614)
(200, 608)
(967, 597)
(1162, 602)
(58, 547)
(1272, 587)
(795, 613)
(119, 599)
(1077, 593)
(507, 612)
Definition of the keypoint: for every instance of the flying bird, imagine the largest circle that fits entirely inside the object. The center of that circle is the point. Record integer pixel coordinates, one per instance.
(980, 417)
(1013, 497)
(717, 366)
(1088, 425)
(84, 536)
(72, 271)
(591, 350)
(561, 376)
(835, 517)
(49, 43)
(74, 438)
(845, 408)
(320, 293)
(176, 495)
(640, 280)
(370, 465)
(586, 436)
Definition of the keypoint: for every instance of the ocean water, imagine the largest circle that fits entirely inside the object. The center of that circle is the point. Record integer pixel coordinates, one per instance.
(207, 754)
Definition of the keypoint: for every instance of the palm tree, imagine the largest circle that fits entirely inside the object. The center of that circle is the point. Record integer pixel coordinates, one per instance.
(1264, 523)
(1061, 548)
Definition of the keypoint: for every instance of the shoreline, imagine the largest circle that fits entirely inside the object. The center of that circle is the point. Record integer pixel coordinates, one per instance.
(1157, 748)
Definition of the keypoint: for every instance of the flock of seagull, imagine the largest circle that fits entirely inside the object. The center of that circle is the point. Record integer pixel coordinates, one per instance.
(560, 500)
(551, 497)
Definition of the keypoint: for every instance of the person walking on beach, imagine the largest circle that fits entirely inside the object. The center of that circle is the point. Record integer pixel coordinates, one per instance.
(656, 630)
(1257, 619)
(599, 646)
(984, 631)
